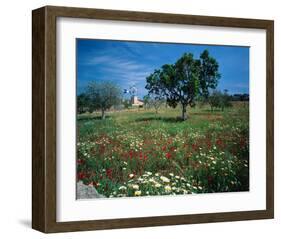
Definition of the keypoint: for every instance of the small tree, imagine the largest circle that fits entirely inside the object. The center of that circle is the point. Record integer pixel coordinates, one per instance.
(103, 95)
(219, 100)
(146, 99)
(226, 100)
(153, 100)
(201, 101)
(126, 103)
(215, 100)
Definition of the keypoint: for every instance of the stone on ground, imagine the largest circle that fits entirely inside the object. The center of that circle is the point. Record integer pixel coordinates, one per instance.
(87, 191)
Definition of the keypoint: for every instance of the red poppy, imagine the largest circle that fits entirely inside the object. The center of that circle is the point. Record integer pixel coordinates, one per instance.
(172, 148)
(80, 161)
(131, 154)
(109, 173)
(81, 175)
(168, 155)
(194, 147)
(242, 143)
(219, 143)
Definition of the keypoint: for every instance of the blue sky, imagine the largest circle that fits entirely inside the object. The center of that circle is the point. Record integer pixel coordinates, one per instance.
(129, 63)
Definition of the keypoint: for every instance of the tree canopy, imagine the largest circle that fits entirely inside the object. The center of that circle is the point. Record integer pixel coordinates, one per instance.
(103, 95)
(181, 82)
(219, 100)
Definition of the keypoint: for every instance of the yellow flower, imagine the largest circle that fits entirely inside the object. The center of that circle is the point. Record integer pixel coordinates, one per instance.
(137, 193)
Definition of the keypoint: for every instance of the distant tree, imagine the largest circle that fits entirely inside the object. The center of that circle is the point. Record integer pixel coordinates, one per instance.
(240, 97)
(126, 103)
(215, 100)
(226, 100)
(153, 100)
(103, 95)
(83, 103)
(201, 101)
(220, 100)
(245, 97)
(146, 101)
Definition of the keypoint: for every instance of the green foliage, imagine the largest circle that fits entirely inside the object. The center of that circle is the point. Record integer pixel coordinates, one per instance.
(220, 100)
(181, 82)
(103, 95)
(209, 73)
(146, 99)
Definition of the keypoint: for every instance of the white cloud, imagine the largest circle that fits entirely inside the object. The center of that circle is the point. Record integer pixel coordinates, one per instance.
(121, 68)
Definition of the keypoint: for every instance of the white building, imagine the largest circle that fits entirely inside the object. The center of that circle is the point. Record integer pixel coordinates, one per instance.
(135, 101)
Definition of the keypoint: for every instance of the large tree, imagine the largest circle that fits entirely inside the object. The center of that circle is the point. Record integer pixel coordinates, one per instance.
(181, 82)
(103, 95)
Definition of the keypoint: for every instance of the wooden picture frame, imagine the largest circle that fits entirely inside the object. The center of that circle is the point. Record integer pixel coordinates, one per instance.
(44, 118)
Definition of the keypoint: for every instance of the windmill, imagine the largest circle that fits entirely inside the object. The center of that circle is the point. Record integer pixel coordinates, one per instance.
(133, 90)
(134, 98)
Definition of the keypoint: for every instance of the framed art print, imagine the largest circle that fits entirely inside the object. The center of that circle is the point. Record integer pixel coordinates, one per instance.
(149, 119)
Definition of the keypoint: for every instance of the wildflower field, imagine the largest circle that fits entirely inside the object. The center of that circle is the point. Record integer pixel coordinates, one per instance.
(139, 153)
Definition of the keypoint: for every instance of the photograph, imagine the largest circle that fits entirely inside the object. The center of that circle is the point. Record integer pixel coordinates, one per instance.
(161, 119)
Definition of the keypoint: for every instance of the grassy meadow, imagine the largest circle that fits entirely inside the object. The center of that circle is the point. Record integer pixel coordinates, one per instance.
(139, 153)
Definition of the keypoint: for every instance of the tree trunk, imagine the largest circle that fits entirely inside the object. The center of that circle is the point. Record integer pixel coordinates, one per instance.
(102, 114)
(184, 113)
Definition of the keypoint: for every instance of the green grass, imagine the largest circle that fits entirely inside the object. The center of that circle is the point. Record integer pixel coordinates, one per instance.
(137, 152)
